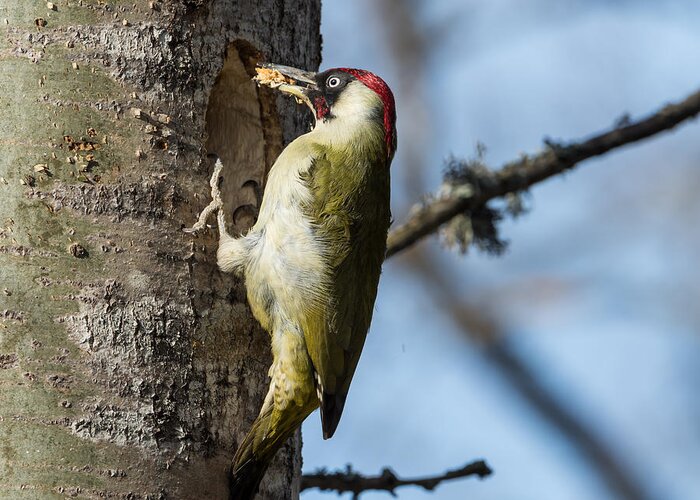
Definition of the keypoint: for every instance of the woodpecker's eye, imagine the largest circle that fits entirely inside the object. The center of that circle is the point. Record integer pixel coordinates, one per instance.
(332, 82)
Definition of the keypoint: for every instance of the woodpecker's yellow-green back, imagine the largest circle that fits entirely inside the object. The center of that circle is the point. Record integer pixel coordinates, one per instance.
(351, 212)
(312, 260)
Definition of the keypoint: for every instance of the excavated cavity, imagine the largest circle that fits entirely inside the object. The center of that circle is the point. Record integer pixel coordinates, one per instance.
(243, 131)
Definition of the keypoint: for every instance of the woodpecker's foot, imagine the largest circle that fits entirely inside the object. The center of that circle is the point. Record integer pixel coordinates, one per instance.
(216, 204)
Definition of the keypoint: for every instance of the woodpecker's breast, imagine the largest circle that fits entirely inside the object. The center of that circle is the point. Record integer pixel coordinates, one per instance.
(285, 272)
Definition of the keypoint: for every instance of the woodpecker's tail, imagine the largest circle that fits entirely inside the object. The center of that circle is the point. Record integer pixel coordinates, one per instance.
(269, 432)
(245, 480)
(331, 409)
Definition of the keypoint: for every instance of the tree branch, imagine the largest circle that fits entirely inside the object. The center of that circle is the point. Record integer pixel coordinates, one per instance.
(520, 174)
(350, 481)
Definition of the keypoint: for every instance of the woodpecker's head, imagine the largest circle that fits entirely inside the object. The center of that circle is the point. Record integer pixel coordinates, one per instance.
(342, 97)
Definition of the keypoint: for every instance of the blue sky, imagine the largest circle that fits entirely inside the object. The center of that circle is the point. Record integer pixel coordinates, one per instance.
(599, 288)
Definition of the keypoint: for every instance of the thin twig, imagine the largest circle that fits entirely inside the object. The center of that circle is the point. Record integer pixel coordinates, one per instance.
(350, 481)
(216, 204)
(520, 174)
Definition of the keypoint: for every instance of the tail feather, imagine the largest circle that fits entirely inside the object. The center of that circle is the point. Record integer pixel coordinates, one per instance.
(257, 450)
(244, 481)
(251, 460)
(331, 410)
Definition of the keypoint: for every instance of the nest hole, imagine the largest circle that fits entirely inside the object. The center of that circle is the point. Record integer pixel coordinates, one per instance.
(243, 129)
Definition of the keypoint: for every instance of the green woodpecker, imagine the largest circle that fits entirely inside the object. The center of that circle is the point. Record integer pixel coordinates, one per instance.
(312, 260)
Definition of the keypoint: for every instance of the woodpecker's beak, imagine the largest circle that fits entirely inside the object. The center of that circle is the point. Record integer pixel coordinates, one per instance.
(301, 82)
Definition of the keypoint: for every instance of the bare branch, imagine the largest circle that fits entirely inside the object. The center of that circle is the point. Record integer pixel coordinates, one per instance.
(520, 174)
(350, 481)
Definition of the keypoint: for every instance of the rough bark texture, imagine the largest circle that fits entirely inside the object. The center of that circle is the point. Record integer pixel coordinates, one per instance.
(129, 366)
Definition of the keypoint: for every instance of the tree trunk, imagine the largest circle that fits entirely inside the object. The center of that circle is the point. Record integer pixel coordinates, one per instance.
(129, 366)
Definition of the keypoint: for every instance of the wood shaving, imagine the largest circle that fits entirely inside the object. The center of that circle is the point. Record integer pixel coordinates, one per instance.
(271, 77)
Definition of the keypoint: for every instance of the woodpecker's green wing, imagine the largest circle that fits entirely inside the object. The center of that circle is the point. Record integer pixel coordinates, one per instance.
(350, 211)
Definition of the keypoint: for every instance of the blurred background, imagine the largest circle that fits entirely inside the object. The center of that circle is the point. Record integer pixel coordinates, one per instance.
(570, 363)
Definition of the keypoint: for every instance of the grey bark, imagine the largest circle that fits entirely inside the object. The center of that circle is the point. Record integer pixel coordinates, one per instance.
(129, 366)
